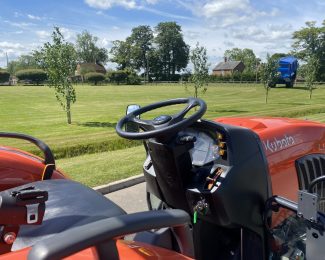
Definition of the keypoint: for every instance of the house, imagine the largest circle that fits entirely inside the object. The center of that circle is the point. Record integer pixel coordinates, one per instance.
(83, 68)
(228, 67)
(13, 80)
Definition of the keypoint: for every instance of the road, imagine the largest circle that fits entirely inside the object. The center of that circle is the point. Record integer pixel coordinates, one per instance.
(132, 199)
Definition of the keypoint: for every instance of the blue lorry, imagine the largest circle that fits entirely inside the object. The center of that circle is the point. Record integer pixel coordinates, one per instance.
(287, 71)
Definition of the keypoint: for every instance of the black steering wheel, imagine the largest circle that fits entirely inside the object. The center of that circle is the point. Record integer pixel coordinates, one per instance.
(163, 124)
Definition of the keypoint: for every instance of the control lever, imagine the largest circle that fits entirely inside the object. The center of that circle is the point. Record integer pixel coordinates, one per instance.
(201, 207)
(186, 139)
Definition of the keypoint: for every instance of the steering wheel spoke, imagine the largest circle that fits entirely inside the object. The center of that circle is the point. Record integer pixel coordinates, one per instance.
(180, 116)
(145, 125)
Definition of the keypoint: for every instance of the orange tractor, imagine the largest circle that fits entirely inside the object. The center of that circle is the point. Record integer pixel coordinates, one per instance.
(231, 188)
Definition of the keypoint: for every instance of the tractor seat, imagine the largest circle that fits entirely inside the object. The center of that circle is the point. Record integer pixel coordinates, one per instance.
(70, 204)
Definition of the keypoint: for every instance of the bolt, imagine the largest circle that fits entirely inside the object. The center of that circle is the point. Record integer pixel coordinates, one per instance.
(9, 238)
(315, 235)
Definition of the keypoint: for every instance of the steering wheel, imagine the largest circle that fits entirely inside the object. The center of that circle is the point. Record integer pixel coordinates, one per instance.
(163, 124)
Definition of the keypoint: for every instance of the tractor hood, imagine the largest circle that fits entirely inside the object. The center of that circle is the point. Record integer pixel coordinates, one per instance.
(284, 140)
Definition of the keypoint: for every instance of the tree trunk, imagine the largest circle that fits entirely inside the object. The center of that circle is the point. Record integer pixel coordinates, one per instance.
(266, 95)
(68, 112)
(310, 91)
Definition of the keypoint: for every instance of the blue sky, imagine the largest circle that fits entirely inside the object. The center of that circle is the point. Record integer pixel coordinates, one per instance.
(264, 25)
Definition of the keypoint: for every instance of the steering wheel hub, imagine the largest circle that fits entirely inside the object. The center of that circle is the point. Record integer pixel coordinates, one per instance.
(159, 120)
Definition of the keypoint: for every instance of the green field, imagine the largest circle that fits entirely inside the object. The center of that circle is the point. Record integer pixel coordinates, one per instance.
(99, 155)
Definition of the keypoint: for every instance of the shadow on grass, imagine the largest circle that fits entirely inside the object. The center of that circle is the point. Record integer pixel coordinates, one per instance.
(229, 111)
(293, 103)
(97, 124)
(294, 88)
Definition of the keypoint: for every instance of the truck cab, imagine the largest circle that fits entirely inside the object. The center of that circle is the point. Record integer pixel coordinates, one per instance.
(287, 71)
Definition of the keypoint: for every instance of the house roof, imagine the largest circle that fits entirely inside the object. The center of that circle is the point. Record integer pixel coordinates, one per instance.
(93, 67)
(228, 65)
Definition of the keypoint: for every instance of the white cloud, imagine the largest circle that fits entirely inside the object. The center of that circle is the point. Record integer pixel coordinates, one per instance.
(21, 25)
(214, 7)
(17, 14)
(132, 4)
(68, 34)
(10, 45)
(34, 17)
(272, 33)
(152, 2)
(106, 4)
(104, 42)
(226, 13)
(13, 50)
(43, 34)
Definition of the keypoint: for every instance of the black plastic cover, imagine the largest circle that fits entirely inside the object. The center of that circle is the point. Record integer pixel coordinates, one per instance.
(70, 204)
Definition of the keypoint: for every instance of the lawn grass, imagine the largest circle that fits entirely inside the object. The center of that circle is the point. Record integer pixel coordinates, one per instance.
(101, 168)
(35, 111)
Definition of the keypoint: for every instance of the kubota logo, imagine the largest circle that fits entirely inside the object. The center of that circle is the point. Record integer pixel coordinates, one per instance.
(277, 144)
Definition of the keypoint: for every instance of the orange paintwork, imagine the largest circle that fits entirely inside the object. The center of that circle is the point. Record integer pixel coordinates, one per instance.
(18, 168)
(126, 249)
(284, 141)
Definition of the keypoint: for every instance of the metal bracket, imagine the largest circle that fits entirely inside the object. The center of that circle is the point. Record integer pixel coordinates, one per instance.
(32, 213)
(315, 244)
(307, 205)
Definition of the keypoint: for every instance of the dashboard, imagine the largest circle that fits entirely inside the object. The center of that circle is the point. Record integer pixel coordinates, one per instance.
(205, 150)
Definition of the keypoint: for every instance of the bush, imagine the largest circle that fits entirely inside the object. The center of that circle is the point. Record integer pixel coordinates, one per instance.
(118, 76)
(123, 76)
(34, 75)
(132, 78)
(94, 77)
(4, 76)
(236, 76)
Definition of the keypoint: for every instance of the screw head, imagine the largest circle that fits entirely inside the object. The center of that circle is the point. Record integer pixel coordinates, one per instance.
(9, 238)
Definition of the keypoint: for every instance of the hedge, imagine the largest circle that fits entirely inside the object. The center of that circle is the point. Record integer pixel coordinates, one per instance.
(94, 77)
(4, 76)
(34, 75)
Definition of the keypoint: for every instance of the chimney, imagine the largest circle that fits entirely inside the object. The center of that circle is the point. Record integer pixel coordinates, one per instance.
(225, 59)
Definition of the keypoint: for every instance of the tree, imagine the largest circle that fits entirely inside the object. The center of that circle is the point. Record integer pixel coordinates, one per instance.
(94, 77)
(34, 75)
(87, 50)
(23, 62)
(172, 51)
(59, 60)
(200, 76)
(309, 42)
(277, 56)
(247, 56)
(121, 54)
(311, 69)
(269, 74)
(140, 42)
(117, 76)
